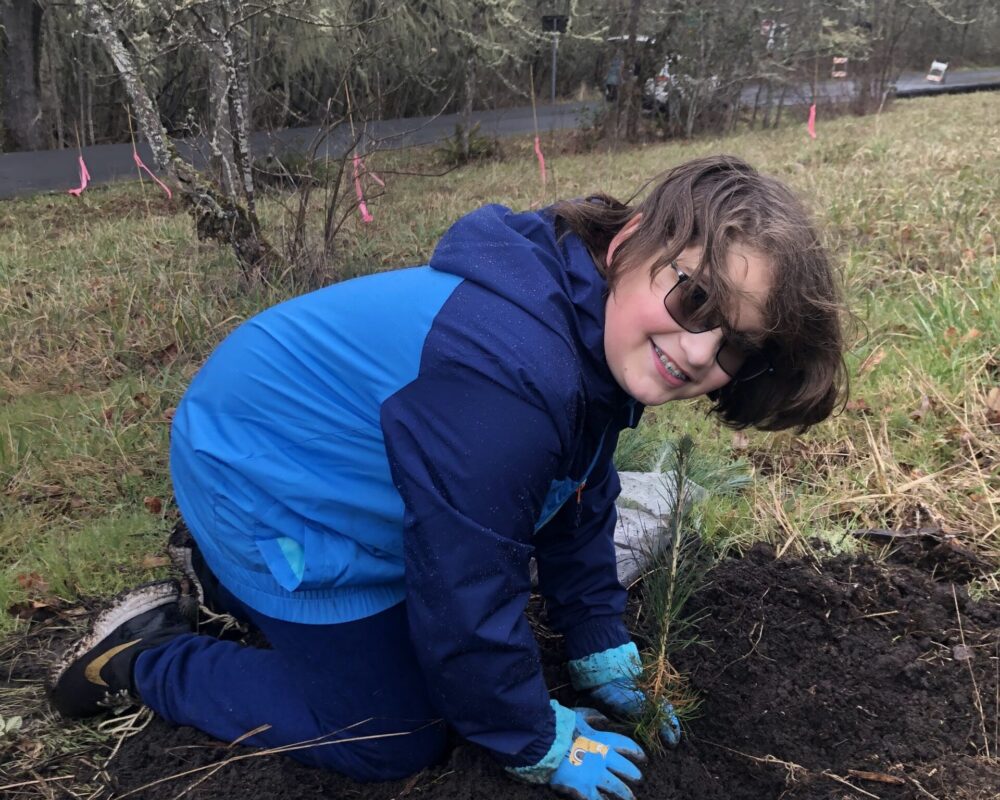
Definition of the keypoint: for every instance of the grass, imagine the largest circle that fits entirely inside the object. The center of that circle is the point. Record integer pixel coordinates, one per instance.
(108, 304)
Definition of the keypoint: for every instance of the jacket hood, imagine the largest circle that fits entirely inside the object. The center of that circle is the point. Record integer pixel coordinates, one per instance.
(519, 257)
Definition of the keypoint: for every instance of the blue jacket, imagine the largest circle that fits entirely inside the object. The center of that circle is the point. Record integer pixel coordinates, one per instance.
(419, 435)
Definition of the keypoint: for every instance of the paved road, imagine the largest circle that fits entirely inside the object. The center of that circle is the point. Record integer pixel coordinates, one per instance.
(56, 170)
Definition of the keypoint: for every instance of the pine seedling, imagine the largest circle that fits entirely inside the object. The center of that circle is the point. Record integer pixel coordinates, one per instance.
(677, 569)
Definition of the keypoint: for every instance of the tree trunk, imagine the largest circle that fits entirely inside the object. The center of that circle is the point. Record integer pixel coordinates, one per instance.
(88, 109)
(628, 120)
(465, 129)
(236, 48)
(781, 105)
(51, 71)
(216, 216)
(756, 102)
(768, 104)
(220, 139)
(616, 62)
(22, 111)
(470, 86)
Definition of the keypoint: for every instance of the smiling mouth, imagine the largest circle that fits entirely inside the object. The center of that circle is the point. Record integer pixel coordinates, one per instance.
(670, 366)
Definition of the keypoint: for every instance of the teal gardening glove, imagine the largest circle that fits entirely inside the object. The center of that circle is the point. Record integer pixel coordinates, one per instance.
(610, 677)
(595, 762)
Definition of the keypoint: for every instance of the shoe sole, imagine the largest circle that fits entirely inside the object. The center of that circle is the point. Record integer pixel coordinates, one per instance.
(126, 606)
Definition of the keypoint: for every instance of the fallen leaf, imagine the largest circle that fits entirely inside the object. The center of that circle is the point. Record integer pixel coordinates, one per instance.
(142, 399)
(168, 415)
(33, 609)
(153, 562)
(922, 409)
(32, 582)
(972, 333)
(165, 355)
(740, 441)
(950, 332)
(858, 405)
(873, 360)
(154, 505)
(968, 254)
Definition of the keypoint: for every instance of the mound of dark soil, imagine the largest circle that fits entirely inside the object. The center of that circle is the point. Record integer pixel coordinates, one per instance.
(846, 679)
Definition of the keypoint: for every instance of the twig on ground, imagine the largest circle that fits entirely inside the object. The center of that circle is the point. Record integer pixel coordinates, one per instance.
(282, 749)
(976, 699)
(36, 782)
(792, 533)
(872, 616)
(921, 789)
(827, 774)
(794, 768)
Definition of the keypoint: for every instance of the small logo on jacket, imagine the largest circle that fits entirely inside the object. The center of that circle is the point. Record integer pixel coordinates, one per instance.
(581, 746)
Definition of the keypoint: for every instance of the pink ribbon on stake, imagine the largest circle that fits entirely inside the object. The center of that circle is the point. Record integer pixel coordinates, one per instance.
(366, 216)
(84, 178)
(141, 166)
(541, 159)
(811, 126)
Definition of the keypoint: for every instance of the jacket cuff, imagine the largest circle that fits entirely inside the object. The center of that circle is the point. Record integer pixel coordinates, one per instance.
(542, 771)
(598, 669)
(595, 635)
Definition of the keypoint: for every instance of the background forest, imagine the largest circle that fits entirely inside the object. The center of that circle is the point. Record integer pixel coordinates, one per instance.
(298, 61)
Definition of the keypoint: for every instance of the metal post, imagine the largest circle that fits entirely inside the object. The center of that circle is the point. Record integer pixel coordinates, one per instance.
(555, 47)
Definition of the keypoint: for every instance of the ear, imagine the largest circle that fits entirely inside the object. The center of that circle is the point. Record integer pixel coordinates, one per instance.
(627, 230)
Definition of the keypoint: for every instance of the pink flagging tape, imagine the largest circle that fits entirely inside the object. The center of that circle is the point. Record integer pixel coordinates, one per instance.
(84, 179)
(149, 172)
(370, 174)
(366, 216)
(812, 121)
(541, 159)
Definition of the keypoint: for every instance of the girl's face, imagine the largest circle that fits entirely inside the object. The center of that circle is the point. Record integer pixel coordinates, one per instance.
(639, 334)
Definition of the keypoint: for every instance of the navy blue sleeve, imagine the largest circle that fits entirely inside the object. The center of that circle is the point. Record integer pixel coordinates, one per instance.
(577, 566)
(473, 444)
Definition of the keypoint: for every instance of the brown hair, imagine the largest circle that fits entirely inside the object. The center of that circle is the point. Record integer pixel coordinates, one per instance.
(713, 203)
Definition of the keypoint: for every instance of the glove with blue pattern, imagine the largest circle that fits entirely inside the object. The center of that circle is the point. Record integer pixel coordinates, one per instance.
(610, 678)
(584, 763)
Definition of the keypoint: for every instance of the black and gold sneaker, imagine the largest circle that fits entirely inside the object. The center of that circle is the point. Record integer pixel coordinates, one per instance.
(182, 550)
(96, 675)
(199, 588)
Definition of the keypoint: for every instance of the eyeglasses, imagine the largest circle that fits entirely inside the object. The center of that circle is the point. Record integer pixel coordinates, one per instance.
(684, 302)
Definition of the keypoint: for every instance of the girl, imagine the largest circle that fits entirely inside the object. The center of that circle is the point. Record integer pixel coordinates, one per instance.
(366, 471)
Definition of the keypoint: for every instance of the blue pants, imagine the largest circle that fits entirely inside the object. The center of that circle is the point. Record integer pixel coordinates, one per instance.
(353, 690)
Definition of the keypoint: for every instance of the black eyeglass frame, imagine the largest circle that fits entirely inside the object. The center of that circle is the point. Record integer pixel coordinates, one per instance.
(677, 315)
